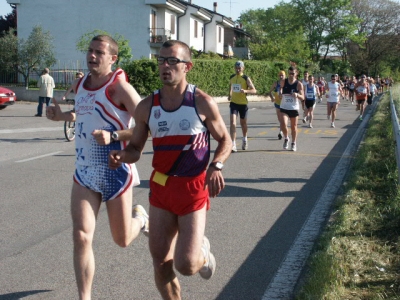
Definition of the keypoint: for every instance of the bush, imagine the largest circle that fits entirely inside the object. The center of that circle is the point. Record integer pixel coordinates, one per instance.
(32, 83)
(212, 76)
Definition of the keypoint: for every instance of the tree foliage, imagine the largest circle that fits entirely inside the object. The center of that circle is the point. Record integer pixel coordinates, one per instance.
(124, 51)
(380, 24)
(364, 33)
(276, 34)
(8, 22)
(34, 53)
(328, 25)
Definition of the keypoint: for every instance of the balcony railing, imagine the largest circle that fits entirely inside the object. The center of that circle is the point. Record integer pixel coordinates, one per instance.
(159, 35)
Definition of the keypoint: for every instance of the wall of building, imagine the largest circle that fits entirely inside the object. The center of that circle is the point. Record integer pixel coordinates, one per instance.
(68, 20)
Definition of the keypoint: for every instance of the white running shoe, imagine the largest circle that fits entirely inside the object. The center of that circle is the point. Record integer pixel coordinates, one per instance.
(245, 145)
(138, 212)
(208, 269)
(294, 148)
(304, 120)
(310, 126)
(234, 149)
(333, 125)
(286, 144)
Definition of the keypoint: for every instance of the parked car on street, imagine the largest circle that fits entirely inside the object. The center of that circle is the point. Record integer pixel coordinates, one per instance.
(7, 97)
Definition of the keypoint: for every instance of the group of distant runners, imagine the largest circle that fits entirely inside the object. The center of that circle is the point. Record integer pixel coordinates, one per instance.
(289, 94)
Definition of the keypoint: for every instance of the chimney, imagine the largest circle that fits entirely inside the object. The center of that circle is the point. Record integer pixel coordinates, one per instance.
(215, 6)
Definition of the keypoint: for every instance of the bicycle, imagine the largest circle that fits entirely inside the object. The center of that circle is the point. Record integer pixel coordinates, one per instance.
(69, 126)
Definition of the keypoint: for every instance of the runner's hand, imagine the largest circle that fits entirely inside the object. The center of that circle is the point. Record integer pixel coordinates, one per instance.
(54, 113)
(115, 158)
(214, 182)
(102, 137)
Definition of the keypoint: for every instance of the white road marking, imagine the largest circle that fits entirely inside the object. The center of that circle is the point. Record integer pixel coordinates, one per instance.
(37, 157)
(22, 130)
(285, 279)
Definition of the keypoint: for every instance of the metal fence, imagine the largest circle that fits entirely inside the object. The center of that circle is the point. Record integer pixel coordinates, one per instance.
(63, 74)
(396, 131)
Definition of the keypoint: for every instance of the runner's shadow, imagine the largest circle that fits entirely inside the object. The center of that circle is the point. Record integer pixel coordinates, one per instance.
(19, 295)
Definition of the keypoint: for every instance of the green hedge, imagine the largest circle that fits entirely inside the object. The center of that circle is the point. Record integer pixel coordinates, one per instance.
(212, 76)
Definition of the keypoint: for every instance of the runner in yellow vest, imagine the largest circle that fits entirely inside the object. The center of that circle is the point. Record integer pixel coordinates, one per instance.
(240, 86)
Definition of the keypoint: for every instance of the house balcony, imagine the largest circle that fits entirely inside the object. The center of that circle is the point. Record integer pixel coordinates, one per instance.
(158, 36)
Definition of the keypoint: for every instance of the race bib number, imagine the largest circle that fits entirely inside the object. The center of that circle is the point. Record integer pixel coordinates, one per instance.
(288, 98)
(334, 94)
(236, 88)
(362, 89)
(310, 95)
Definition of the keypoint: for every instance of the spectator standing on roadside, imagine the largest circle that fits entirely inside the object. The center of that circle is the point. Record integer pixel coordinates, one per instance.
(46, 86)
(276, 99)
(240, 86)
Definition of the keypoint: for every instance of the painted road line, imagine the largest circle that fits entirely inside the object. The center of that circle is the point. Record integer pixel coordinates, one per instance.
(37, 157)
(23, 130)
(284, 281)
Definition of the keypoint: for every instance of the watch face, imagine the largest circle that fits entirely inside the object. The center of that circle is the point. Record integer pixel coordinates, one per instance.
(219, 165)
(114, 135)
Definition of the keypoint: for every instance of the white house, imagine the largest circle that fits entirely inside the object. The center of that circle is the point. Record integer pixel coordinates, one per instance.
(146, 24)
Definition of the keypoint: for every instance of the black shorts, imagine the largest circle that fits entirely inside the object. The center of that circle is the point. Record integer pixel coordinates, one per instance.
(369, 99)
(361, 101)
(290, 113)
(309, 103)
(238, 108)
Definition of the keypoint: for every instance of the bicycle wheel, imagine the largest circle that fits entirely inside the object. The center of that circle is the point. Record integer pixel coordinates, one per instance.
(69, 130)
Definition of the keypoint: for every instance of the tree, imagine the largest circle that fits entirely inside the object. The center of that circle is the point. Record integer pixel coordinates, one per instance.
(328, 25)
(26, 55)
(9, 21)
(124, 51)
(380, 24)
(276, 34)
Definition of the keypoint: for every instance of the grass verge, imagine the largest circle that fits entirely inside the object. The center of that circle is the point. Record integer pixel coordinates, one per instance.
(358, 254)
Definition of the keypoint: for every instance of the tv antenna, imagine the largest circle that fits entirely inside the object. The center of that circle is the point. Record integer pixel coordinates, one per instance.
(230, 7)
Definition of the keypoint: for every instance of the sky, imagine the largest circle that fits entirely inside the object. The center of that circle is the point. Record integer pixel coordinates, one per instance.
(5, 8)
(233, 8)
(229, 8)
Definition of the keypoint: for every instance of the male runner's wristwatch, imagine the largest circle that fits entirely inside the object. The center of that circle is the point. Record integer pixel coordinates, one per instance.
(114, 136)
(217, 165)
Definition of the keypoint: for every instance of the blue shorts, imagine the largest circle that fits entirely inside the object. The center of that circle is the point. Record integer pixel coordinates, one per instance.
(277, 106)
(238, 108)
(109, 183)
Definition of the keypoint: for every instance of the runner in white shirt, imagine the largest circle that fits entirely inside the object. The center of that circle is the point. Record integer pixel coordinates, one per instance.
(334, 91)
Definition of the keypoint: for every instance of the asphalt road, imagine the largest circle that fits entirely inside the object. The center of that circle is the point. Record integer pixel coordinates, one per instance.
(269, 197)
